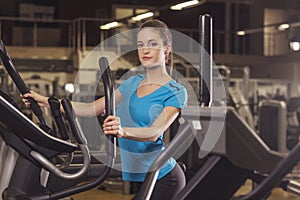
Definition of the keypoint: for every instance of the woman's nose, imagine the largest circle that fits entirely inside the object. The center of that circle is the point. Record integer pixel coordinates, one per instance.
(145, 50)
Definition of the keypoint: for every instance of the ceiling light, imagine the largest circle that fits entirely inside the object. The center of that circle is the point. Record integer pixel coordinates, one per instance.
(241, 33)
(69, 87)
(283, 27)
(295, 46)
(186, 4)
(142, 16)
(295, 43)
(110, 25)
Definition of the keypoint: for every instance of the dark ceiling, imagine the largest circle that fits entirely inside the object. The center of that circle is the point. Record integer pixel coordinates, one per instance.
(241, 11)
(247, 10)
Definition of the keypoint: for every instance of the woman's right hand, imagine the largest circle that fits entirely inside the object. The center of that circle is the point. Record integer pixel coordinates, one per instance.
(40, 99)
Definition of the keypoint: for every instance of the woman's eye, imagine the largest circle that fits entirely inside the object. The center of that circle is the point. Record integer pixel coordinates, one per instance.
(140, 45)
(153, 44)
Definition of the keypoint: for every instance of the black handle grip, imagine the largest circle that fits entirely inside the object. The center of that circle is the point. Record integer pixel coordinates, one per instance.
(108, 86)
(7, 62)
(73, 120)
(56, 113)
(109, 101)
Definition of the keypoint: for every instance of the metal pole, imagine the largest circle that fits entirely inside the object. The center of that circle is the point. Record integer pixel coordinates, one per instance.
(205, 64)
(102, 41)
(227, 25)
(83, 35)
(74, 36)
(0, 29)
(78, 35)
(69, 36)
(35, 43)
(246, 82)
(119, 41)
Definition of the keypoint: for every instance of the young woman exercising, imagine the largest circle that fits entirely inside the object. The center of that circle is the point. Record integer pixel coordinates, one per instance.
(147, 104)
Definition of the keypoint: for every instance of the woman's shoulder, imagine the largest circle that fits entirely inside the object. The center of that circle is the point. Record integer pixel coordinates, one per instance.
(174, 85)
(132, 81)
(177, 95)
(134, 78)
(130, 84)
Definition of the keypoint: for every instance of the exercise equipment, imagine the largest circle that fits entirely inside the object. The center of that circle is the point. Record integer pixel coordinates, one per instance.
(234, 153)
(38, 147)
(272, 126)
(205, 82)
(293, 126)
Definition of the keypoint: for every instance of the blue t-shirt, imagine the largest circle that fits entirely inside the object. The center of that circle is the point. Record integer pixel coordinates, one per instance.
(137, 156)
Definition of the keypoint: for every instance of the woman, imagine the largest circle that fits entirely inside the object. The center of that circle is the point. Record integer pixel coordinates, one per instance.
(147, 104)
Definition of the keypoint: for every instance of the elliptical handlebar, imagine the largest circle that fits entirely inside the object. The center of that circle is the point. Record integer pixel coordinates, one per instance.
(80, 139)
(8, 64)
(56, 113)
(111, 142)
(76, 129)
(74, 123)
(52, 168)
(109, 101)
(108, 86)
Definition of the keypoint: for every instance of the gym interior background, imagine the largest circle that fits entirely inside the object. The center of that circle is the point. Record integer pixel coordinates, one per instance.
(255, 45)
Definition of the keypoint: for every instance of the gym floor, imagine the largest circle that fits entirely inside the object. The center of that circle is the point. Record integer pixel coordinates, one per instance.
(94, 194)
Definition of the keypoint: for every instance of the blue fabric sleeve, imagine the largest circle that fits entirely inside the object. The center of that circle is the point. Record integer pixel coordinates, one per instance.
(128, 84)
(178, 100)
(122, 87)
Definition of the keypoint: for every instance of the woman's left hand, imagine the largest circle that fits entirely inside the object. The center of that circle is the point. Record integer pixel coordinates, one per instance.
(112, 126)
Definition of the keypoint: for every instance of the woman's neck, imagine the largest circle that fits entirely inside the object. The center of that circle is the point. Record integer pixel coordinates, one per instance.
(157, 75)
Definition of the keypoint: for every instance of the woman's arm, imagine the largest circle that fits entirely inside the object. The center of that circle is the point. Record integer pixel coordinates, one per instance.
(88, 109)
(96, 107)
(161, 124)
(81, 109)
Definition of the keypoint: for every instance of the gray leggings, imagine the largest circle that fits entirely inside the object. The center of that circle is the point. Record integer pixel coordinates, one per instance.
(169, 185)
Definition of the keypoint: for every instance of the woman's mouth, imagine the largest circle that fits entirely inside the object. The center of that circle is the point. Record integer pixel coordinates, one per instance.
(146, 58)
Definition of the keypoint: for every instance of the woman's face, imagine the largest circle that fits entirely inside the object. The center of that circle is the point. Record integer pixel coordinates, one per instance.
(151, 50)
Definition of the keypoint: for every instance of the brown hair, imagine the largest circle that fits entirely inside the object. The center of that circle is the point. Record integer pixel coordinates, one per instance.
(166, 36)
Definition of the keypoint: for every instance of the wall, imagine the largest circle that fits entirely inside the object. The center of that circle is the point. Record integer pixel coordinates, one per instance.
(273, 16)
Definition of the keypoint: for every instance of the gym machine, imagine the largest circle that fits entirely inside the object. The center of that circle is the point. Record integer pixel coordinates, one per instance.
(234, 152)
(38, 147)
(272, 125)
